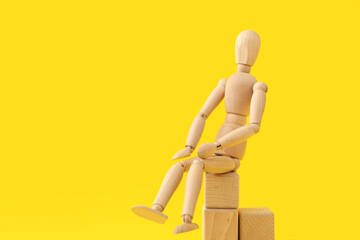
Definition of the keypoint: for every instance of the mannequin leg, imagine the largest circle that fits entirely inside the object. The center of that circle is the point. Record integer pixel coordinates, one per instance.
(171, 181)
(215, 164)
(192, 190)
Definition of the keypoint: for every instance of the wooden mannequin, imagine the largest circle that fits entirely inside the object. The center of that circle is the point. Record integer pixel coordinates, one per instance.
(243, 96)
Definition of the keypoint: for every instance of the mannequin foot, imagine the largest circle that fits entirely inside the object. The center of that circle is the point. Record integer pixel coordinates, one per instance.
(151, 214)
(185, 227)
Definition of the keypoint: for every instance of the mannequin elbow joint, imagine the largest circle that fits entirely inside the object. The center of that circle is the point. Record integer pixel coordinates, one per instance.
(255, 127)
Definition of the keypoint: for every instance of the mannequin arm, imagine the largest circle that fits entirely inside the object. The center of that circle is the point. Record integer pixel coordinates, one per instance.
(240, 134)
(197, 126)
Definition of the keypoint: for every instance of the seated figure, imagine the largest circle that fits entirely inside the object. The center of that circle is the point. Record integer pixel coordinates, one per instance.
(243, 96)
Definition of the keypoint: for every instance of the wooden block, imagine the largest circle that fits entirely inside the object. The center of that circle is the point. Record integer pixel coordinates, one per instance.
(222, 190)
(256, 224)
(220, 224)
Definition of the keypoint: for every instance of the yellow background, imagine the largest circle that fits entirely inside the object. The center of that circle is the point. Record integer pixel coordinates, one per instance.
(97, 96)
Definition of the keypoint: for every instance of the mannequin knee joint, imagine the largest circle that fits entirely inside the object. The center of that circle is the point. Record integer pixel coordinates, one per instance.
(179, 164)
(198, 162)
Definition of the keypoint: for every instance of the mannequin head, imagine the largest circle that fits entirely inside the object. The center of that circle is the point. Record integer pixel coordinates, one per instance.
(247, 47)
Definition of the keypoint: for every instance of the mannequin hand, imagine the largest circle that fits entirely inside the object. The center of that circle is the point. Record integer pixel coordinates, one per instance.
(186, 152)
(207, 150)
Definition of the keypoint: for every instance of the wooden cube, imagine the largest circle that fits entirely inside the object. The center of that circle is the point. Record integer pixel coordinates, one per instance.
(220, 224)
(256, 224)
(222, 190)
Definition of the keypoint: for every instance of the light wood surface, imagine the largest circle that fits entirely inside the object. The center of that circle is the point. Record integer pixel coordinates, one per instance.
(185, 152)
(232, 122)
(221, 190)
(256, 224)
(247, 47)
(237, 150)
(214, 98)
(206, 150)
(243, 68)
(237, 136)
(220, 164)
(238, 92)
(214, 164)
(257, 104)
(171, 181)
(220, 224)
(150, 214)
(185, 227)
(192, 188)
(196, 129)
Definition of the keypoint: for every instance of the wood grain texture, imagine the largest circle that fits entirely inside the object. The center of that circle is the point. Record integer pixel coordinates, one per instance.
(220, 224)
(222, 190)
(256, 224)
